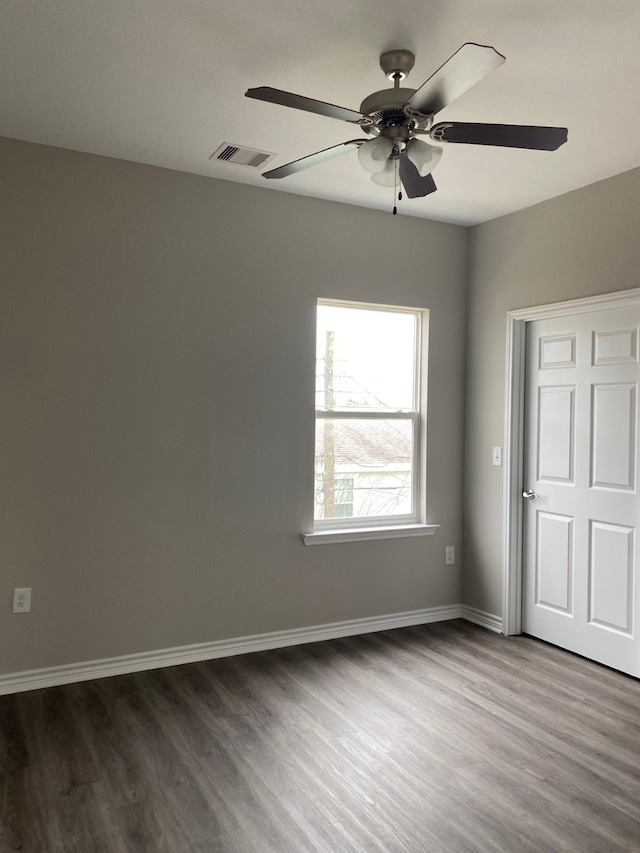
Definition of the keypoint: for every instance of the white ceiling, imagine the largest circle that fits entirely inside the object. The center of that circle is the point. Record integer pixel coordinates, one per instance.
(163, 81)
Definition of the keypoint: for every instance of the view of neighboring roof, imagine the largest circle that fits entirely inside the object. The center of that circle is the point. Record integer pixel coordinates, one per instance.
(366, 444)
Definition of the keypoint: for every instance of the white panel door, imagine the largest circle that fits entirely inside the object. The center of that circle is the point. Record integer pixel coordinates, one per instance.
(581, 581)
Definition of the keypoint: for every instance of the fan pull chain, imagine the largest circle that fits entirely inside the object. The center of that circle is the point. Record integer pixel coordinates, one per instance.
(395, 209)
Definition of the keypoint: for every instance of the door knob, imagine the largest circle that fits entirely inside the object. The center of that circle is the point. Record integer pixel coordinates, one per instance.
(529, 495)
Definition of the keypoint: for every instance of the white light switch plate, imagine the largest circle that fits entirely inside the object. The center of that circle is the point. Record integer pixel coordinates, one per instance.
(496, 456)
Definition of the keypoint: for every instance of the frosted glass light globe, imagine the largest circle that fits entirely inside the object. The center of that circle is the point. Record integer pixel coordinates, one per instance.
(374, 154)
(424, 157)
(389, 176)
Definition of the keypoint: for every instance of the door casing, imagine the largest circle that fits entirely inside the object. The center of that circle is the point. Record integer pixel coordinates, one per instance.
(514, 436)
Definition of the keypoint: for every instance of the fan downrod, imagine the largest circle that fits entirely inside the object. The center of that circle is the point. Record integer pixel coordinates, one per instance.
(396, 64)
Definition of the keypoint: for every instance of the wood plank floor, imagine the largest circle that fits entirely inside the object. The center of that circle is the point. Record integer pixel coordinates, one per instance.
(444, 737)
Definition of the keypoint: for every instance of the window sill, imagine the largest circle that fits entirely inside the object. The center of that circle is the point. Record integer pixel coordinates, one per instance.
(361, 534)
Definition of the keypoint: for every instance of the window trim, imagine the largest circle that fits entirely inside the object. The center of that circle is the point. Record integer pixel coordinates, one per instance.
(362, 534)
(410, 524)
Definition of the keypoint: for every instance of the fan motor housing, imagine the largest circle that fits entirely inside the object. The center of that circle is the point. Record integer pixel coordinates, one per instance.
(386, 106)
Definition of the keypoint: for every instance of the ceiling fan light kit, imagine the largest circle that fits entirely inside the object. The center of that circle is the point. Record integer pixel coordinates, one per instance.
(395, 119)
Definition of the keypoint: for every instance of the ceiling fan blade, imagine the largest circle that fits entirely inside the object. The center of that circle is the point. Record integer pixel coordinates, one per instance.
(468, 65)
(415, 185)
(299, 102)
(313, 159)
(506, 135)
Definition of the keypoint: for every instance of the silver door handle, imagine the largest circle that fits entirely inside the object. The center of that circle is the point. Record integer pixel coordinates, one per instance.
(529, 495)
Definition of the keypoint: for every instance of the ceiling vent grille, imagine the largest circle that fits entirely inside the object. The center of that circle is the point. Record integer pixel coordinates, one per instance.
(241, 155)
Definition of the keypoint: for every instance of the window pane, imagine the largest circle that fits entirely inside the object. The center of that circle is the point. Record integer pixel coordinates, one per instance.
(363, 468)
(365, 358)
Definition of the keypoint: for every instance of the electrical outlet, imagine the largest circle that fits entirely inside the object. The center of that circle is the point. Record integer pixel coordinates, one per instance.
(449, 555)
(22, 600)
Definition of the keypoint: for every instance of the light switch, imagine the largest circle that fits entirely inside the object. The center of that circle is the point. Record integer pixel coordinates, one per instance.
(496, 456)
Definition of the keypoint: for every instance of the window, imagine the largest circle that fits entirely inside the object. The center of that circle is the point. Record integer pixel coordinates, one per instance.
(369, 416)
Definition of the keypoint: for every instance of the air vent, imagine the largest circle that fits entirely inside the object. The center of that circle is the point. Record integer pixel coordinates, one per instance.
(241, 155)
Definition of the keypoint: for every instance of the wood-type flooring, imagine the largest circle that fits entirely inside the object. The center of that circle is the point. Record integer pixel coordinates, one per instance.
(444, 737)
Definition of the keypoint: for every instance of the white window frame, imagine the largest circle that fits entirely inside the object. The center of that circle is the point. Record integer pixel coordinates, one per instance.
(392, 526)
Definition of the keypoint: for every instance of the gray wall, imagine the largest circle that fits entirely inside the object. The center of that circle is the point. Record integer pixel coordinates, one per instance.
(156, 386)
(580, 244)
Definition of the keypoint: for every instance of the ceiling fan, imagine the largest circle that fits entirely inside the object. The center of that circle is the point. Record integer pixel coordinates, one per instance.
(395, 118)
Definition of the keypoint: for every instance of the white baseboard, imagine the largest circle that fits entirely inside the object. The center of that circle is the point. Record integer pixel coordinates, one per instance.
(85, 671)
(480, 617)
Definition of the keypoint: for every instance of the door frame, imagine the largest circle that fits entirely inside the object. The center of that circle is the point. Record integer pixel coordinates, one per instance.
(514, 435)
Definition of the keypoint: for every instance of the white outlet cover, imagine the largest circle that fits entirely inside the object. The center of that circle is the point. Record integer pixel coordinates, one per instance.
(22, 599)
